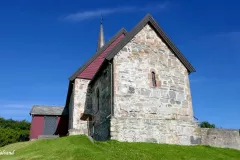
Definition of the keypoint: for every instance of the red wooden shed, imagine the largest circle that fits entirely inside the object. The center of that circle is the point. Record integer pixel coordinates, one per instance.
(48, 121)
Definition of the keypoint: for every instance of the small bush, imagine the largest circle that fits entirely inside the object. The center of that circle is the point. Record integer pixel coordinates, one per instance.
(206, 124)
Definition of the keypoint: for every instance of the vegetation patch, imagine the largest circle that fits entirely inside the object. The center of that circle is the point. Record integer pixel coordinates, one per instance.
(12, 131)
(80, 147)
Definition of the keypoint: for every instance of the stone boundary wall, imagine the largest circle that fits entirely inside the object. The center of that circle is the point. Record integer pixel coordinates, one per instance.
(172, 132)
(225, 138)
(155, 130)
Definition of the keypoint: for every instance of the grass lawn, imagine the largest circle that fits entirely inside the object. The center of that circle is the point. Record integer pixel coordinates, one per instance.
(79, 147)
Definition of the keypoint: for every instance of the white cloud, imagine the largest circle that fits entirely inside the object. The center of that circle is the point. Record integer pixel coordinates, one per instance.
(80, 16)
(16, 106)
(17, 110)
(14, 110)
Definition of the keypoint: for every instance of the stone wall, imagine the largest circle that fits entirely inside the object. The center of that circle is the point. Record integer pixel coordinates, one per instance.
(142, 111)
(221, 137)
(77, 105)
(134, 94)
(101, 105)
(155, 130)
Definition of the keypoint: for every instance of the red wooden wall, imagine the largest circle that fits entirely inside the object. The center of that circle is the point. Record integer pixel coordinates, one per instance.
(37, 126)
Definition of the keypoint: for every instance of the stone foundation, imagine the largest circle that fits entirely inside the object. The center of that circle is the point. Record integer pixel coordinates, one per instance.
(77, 132)
(172, 132)
(155, 130)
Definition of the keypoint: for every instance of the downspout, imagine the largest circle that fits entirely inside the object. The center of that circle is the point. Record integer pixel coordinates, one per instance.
(72, 103)
(111, 96)
(111, 90)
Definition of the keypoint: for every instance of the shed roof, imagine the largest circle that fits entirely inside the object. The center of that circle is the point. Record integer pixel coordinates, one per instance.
(48, 110)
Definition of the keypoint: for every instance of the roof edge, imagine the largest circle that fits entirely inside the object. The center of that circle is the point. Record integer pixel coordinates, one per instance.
(148, 19)
(43, 106)
(171, 45)
(98, 71)
(86, 64)
(128, 37)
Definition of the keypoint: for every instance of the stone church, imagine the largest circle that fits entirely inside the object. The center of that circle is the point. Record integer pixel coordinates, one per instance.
(135, 88)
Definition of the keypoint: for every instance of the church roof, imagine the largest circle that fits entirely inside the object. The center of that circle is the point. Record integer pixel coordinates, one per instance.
(88, 70)
(113, 46)
(48, 110)
(148, 19)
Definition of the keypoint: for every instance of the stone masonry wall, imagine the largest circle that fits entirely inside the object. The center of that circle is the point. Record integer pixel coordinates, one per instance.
(141, 111)
(101, 107)
(221, 137)
(155, 130)
(78, 104)
(134, 95)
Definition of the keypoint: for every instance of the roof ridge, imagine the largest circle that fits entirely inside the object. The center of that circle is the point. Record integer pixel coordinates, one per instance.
(46, 106)
(148, 19)
(45, 110)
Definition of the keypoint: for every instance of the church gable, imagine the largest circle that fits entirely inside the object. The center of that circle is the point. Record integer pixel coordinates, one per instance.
(148, 20)
(150, 80)
(146, 45)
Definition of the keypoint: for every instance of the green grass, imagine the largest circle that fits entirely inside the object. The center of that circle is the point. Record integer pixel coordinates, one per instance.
(79, 147)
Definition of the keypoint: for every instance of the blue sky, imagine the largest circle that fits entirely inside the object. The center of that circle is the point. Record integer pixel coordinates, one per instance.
(43, 42)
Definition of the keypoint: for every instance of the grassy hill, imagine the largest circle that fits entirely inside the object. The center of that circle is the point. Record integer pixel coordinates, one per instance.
(79, 147)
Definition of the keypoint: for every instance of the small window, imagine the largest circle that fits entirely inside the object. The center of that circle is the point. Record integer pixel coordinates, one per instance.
(154, 79)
